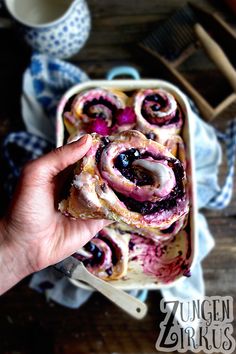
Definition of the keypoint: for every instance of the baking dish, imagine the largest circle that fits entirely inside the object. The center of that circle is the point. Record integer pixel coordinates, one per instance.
(184, 242)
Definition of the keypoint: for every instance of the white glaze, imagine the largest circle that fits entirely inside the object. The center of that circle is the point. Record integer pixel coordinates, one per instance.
(163, 175)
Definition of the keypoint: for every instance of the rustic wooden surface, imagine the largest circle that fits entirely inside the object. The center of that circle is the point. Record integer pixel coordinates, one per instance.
(30, 324)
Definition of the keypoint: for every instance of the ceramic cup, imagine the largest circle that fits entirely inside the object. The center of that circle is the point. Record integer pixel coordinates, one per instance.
(55, 27)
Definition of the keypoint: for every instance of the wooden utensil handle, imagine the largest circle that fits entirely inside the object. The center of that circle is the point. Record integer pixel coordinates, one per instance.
(128, 303)
(217, 55)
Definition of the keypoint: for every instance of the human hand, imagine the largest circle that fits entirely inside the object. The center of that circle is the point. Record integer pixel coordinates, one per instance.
(34, 233)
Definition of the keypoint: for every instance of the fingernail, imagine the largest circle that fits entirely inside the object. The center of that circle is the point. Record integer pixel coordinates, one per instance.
(82, 140)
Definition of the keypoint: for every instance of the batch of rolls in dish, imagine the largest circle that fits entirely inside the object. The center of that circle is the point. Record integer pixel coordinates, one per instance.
(134, 174)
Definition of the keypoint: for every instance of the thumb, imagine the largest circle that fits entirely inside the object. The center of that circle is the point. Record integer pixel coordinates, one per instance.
(66, 155)
(81, 232)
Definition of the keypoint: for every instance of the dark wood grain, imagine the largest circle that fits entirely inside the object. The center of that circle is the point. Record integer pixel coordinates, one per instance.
(28, 322)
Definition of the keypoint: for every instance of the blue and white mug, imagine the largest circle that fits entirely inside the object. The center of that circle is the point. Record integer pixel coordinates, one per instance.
(56, 27)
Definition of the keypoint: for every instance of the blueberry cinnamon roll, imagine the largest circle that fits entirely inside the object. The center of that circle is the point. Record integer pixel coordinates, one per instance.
(131, 179)
(106, 255)
(99, 110)
(158, 114)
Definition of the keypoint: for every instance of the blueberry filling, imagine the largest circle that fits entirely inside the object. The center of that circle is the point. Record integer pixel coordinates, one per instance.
(156, 98)
(126, 158)
(100, 101)
(137, 175)
(169, 229)
(155, 107)
(145, 208)
(109, 271)
(114, 250)
(151, 136)
(90, 247)
(122, 161)
(104, 187)
(187, 273)
(105, 141)
(131, 245)
(98, 154)
(98, 256)
(100, 115)
(177, 117)
(158, 103)
(167, 203)
(173, 120)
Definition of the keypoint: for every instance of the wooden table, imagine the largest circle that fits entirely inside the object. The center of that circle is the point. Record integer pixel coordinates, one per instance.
(28, 322)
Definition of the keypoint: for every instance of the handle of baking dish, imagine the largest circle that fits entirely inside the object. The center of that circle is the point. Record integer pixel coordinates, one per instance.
(123, 71)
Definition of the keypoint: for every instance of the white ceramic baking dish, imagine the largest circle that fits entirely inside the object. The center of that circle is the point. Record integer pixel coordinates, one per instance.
(136, 278)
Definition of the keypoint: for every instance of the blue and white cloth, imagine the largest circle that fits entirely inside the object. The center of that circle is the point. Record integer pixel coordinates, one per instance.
(44, 82)
(224, 195)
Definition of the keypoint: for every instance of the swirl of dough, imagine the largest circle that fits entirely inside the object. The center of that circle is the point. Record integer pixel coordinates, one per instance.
(97, 110)
(158, 113)
(106, 255)
(129, 178)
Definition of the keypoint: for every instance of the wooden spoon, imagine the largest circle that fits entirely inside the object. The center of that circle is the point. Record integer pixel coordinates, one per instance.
(74, 269)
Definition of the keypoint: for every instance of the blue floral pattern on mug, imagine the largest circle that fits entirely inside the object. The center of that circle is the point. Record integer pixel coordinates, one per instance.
(62, 38)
